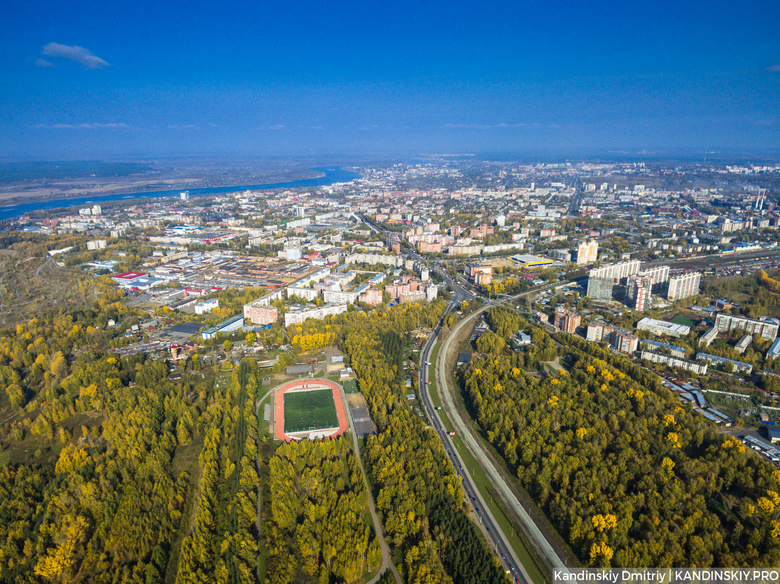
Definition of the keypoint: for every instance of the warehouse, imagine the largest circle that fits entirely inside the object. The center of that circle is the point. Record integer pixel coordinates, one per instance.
(530, 261)
(226, 326)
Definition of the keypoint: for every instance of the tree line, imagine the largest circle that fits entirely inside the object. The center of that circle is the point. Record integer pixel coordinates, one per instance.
(626, 473)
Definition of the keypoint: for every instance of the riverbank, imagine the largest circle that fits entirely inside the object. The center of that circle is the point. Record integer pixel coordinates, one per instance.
(327, 176)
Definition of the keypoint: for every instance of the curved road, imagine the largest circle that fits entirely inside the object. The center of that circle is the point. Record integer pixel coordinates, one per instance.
(497, 537)
(540, 542)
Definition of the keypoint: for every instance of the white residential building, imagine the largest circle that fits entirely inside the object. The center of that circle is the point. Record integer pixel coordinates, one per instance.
(206, 306)
(766, 327)
(698, 368)
(587, 252)
(297, 315)
(683, 286)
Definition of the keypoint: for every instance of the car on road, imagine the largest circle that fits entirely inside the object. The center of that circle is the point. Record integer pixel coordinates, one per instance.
(428, 363)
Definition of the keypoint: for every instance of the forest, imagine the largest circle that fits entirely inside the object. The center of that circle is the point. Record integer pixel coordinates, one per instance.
(416, 489)
(113, 470)
(628, 475)
(317, 528)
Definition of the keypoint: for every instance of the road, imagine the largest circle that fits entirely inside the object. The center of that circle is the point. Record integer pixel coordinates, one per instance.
(496, 536)
(387, 561)
(464, 429)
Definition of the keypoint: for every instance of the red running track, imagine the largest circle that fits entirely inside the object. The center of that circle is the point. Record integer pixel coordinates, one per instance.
(303, 384)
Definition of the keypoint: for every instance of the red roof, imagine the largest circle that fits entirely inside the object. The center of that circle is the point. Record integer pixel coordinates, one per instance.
(129, 275)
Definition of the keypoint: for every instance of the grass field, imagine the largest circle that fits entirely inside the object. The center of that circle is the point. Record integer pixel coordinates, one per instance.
(309, 410)
(30, 285)
(350, 386)
(684, 320)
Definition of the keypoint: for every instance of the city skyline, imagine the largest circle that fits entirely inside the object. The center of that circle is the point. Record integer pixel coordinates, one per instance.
(80, 81)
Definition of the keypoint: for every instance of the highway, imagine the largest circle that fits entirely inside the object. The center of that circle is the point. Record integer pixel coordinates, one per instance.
(498, 539)
(465, 430)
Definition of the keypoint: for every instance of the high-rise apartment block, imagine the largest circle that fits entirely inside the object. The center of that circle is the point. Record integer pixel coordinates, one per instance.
(616, 271)
(638, 289)
(683, 286)
(601, 280)
(567, 320)
(621, 339)
(257, 313)
(624, 341)
(658, 275)
(480, 273)
(587, 252)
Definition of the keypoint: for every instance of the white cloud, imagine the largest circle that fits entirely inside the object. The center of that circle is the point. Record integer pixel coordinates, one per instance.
(774, 68)
(183, 127)
(74, 53)
(91, 126)
(41, 62)
(496, 126)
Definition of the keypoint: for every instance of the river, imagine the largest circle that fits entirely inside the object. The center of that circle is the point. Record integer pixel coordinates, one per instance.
(332, 175)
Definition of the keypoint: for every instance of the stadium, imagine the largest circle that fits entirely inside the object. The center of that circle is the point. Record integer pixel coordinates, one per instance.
(309, 409)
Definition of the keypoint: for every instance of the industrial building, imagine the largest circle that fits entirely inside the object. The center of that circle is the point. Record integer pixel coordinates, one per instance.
(530, 261)
(661, 327)
(226, 326)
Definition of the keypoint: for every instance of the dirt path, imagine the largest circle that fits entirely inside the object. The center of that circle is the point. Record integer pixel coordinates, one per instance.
(387, 561)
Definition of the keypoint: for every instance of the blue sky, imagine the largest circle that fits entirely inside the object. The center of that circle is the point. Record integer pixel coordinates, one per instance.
(89, 80)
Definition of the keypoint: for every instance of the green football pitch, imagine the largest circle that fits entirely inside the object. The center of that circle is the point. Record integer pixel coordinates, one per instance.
(309, 410)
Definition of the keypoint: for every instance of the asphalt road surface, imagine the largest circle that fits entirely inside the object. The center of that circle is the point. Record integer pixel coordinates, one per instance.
(498, 539)
(463, 428)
